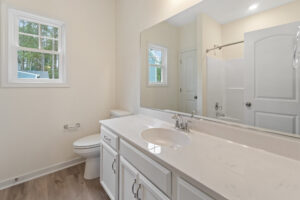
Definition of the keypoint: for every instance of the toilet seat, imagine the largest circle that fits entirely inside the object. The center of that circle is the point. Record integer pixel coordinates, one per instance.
(88, 152)
(87, 142)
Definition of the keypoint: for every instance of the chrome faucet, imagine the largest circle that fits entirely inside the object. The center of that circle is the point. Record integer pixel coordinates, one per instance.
(181, 123)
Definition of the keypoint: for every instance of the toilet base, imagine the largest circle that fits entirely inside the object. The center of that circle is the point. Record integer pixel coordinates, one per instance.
(92, 168)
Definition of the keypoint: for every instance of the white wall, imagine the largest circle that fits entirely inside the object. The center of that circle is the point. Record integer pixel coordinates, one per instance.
(188, 37)
(32, 119)
(133, 16)
(160, 97)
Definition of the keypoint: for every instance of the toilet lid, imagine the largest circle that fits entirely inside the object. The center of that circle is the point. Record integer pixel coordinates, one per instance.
(119, 113)
(88, 141)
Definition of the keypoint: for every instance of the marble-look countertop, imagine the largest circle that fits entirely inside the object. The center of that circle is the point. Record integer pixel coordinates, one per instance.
(232, 170)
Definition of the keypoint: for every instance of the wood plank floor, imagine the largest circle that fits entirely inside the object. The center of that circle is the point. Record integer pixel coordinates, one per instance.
(67, 184)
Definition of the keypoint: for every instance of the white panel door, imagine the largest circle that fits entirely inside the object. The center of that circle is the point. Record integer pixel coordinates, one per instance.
(109, 171)
(271, 81)
(147, 191)
(188, 82)
(128, 181)
(187, 191)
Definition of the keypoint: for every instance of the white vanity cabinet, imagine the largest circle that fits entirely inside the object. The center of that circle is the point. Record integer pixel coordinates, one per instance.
(126, 173)
(148, 191)
(128, 180)
(187, 191)
(133, 185)
(109, 171)
(160, 176)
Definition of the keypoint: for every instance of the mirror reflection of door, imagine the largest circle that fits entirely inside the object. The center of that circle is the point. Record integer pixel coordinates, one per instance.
(272, 87)
(188, 82)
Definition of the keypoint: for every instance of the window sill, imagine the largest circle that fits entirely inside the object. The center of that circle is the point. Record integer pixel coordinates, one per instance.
(157, 85)
(35, 85)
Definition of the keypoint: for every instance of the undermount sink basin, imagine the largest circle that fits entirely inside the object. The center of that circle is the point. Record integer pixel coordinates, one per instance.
(165, 137)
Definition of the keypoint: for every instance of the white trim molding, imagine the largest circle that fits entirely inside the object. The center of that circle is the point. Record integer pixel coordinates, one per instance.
(40, 172)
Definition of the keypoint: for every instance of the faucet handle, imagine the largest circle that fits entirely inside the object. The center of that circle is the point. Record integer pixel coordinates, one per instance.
(176, 117)
(186, 126)
(193, 113)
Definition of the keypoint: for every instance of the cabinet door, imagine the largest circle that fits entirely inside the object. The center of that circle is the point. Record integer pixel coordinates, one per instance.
(147, 191)
(109, 171)
(187, 191)
(128, 180)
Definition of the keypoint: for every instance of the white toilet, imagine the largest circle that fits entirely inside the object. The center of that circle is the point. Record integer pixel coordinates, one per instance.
(89, 147)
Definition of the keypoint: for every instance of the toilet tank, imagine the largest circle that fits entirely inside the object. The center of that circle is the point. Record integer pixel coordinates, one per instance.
(115, 113)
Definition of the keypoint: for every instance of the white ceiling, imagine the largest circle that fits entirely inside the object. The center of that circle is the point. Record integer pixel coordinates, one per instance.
(224, 11)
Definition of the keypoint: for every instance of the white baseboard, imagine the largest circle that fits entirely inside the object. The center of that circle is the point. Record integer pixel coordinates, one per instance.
(38, 173)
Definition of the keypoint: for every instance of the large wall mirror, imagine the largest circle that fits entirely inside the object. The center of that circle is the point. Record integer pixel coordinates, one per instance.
(230, 60)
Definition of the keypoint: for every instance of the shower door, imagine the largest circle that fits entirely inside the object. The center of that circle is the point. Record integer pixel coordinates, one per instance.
(271, 81)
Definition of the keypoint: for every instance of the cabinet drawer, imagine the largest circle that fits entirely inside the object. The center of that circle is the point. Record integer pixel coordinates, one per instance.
(187, 191)
(157, 174)
(109, 138)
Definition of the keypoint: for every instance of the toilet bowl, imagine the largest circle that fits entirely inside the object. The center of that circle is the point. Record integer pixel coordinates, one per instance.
(89, 148)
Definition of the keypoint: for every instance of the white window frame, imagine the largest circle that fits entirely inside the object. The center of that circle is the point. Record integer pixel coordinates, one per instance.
(10, 47)
(164, 65)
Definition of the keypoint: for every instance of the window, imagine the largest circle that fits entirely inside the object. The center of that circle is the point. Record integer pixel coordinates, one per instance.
(157, 64)
(36, 50)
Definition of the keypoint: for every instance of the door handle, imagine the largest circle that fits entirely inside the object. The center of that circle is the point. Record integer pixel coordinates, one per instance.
(195, 97)
(248, 104)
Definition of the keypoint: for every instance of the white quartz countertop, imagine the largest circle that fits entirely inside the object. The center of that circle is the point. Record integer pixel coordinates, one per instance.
(232, 170)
